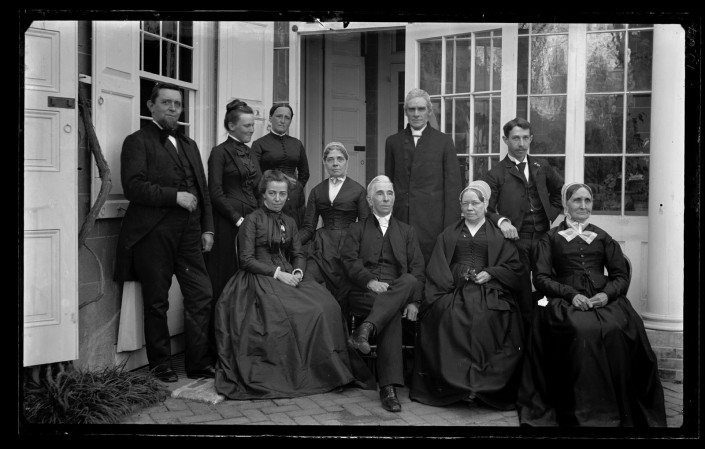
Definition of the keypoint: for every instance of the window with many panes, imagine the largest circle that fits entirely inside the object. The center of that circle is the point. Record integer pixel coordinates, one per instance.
(281, 62)
(542, 88)
(618, 117)
(462, 74)
(166, 55)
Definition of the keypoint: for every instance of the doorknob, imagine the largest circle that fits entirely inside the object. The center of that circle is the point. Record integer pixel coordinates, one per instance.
(362, 162)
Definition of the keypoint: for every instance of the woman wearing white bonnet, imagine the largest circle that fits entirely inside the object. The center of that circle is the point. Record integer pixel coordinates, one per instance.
(470, 338)
(588, 360)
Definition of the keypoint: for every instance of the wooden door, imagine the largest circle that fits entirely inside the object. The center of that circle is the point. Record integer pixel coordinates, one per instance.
(50, 243)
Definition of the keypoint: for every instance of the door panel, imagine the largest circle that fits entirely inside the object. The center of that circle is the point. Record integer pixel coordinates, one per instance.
(50, 254)
(344, 100)
(116, 97)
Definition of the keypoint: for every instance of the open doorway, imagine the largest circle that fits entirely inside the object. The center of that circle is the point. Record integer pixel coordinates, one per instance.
(352, 92)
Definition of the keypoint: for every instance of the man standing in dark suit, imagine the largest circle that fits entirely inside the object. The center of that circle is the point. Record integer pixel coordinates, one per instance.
(383, 261)
(422, 164)
(167, 226)
(525, 200)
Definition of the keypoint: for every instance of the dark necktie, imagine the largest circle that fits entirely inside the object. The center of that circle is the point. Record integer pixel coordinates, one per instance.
(520, 167)
(167, 140)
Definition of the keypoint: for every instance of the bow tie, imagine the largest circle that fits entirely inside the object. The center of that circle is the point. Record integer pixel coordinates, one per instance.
(169, 132)
(336, 180)
(383, 221)
(416, 133)
(570, 233)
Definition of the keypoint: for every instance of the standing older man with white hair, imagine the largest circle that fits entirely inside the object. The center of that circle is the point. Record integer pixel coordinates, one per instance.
(383, 261)
(422, 163)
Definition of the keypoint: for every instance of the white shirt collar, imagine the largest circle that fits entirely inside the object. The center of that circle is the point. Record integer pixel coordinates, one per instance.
(277, 134)
(516, 161)
(418, 132)
(342, 179)
(382, 220)
(235, 138)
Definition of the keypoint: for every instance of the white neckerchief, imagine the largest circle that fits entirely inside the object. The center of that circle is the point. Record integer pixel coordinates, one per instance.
(171, 138)
(526, 166)
(416, 133)
(473, 229)
(576, 229)
(383, 222)
(334, 188)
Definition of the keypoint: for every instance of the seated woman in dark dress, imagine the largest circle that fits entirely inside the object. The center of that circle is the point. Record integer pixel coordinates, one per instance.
(340, 201)
(469, 342)
(588, 360)
(278, 335)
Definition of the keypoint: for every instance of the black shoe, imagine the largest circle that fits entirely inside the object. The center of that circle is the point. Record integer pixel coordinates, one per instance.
(165, 374)
(207, 372)
(360, 337)
(388, 395)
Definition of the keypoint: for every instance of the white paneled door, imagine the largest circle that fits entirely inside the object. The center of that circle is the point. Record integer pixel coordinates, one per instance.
(50, 252)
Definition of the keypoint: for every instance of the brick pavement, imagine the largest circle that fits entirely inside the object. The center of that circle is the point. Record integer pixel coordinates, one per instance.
(196, 402)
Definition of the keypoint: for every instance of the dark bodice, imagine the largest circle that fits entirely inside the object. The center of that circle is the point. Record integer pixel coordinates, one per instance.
(263, 246)
(470, 254)
(349, 205)
(284, 153)
(568, 268)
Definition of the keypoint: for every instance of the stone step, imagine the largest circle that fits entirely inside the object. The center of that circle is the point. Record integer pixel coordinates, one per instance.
(663, 352)
(665, 338)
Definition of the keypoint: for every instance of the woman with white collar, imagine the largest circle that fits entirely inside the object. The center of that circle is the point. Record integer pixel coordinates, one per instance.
(588, 361)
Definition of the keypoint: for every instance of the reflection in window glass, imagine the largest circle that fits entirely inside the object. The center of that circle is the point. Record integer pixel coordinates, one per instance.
(523, 67)
(280, 89)
(605, 62)
(186, 33)
(430, 59)
(549, 64)
(545, 28)
(481, 133)
(603, 124)
(151, 26)
(458, 58)
(169, 59)
(169, 30)
(185, 64)
(150, 58)
(640, 60)
(481, 165)
(483, 61)
(605, 26)
(638, 126)
(604, 176)
(548, 118)
(636, 186)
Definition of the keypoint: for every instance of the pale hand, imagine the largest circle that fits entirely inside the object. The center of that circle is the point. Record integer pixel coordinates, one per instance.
(582, 302)
(377, 286)
(482, 277)
(411, 312)
(288, 278)
(207, 241)
(509, 231)
(599, 300)
(186, 200)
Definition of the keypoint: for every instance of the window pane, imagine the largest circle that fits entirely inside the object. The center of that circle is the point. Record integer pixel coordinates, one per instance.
(605, 26)
(169, 59)
(483, 60)
(399, 41)
(640, 59)
(151, 26)
(169, 29)
(430, 66)
(145, 91)
(604, 176)
(185, 64)
(537, 28)
(481, 132)
(557, 163)
(462, 69)
(186, 33)
(497, 61)
(435, 119)
(464, 162)
(605, 62)
(636, 189)
(496, 129)
(481, 165)
(603, 124)
(549, 64)
(638, 123)
(281, 34)
(522, 108)
(151, 54)
(548, 125)
(523, 66)
(640, 25)
(281, 75)
(461, 107)
(524, 28)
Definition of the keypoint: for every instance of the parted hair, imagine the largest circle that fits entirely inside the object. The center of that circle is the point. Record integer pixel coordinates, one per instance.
(518, 121)
(159, 86)
(274, 176)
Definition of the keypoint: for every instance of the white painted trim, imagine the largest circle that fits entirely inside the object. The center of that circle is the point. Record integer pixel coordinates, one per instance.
(304, 28)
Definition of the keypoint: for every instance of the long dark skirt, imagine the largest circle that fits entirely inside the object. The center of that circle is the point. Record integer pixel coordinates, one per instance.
(278, 341)
(464, 348)
(592, 368)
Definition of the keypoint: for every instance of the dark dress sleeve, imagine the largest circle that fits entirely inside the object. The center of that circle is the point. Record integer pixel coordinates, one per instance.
(302, 166)
(308, 228)
(247, 240)
(216, 167)
(544, 281)
(618, 275)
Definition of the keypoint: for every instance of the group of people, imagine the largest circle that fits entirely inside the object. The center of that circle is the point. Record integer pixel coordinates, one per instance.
(511, 310)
